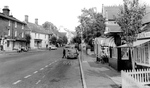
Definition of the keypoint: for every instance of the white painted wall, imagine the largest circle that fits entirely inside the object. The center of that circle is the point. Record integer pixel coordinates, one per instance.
(7, 48)
(43, 37)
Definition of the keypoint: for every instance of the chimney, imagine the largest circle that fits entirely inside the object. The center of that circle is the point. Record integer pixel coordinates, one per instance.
(36, 21)
(26, 18)
(6, 10)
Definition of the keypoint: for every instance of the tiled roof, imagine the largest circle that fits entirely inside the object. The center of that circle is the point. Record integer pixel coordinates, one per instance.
(38, 28)
(10, 18)
(146, 28)
(146, 18)
(114, 10)
(111, 11)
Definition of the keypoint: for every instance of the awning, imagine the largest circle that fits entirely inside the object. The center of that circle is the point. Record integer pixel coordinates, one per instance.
(109, 42)
(112, 28)
(10, 39)
(136, 43)
(38, 39)
(23, 40)
(106, 42)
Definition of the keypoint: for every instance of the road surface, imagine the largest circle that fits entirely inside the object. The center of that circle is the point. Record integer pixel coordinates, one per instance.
(42, 69)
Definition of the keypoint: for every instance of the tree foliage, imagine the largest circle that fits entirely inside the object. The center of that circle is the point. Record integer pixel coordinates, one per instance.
(65, 40)
(76, 39)
(53, 40)
(59, 40)
(91, 22)
(28, 38)
(49, 26)
(129, 19)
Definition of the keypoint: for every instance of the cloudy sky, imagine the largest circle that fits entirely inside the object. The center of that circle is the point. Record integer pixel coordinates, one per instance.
(59, 12)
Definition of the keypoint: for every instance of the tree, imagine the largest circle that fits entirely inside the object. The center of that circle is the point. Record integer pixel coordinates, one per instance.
(53, 40)
(91, 22)
(27, 38)
(129, 19)
(52, 28)
(65, 40)
(49, 26)
(76, 39)
(60, 40)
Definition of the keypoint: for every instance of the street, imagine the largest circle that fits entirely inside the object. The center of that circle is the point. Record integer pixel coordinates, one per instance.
(41, 69)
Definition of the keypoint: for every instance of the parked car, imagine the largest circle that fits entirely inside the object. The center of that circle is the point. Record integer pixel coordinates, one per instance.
(52, 47)
(22, 49)
(72, 53)
(67, 46)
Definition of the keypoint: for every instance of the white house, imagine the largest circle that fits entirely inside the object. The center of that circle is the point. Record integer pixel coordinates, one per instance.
(39, 35)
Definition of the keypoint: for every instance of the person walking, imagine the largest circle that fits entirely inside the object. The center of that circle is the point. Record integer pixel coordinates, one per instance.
(64, 53)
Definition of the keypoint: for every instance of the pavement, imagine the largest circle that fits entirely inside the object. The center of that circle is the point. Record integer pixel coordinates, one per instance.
(98, 75)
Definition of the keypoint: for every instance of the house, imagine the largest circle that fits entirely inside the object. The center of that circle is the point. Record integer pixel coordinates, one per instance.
(12, 31)
(39, 35)
(112, 39)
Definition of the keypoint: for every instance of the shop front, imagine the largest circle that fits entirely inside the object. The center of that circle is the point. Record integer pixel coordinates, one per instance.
(141, 51)
(38, 43)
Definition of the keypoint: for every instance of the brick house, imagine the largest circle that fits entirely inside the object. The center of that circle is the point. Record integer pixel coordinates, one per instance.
(12, 31)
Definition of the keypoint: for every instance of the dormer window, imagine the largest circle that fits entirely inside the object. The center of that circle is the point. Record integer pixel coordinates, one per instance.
(22, 26)
(15, 24)
(9, 23)
(15, 33)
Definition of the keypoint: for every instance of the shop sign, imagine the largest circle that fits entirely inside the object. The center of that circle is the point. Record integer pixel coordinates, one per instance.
(144, 35)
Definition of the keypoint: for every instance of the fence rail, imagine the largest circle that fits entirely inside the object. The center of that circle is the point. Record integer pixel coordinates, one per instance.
(135, 78)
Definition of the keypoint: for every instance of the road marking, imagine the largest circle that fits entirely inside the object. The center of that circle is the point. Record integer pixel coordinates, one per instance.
(53, 62)
(43, 76)
(17, 82)
(38, 82)
(27, 76)
(35, 72)
(46, 66)
(41, 68)
(50, 63)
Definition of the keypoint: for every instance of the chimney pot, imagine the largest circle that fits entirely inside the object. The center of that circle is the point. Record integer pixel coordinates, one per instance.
(26, 18)
(36, 21)
(6, 10)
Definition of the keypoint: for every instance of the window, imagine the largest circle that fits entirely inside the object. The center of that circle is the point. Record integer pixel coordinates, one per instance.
(8, 32)
(8, 43)
(9, 23)
(15, 33)
(35, 35)
(23, 26)
(15, 24)
(22, 34)
(146, 54)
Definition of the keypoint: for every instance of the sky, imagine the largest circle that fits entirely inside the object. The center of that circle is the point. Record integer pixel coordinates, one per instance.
(62, 13)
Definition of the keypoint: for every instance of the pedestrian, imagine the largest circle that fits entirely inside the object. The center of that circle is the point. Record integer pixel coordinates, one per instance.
(64, 53)
(46, 46)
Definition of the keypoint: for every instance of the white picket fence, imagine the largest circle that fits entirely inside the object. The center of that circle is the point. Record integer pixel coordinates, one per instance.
(135, 78)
